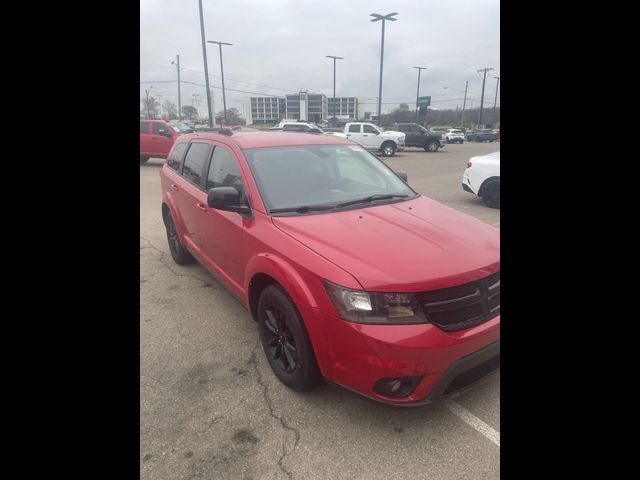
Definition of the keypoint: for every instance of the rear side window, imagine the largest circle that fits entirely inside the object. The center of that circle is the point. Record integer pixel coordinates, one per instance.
(194, 162)
(144, 127)
(175, 159)
(224, 171)
(354, 128)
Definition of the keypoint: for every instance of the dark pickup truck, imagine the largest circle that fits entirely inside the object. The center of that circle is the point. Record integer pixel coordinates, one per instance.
(418, 136)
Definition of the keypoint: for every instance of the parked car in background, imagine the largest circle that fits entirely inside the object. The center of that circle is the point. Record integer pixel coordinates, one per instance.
(482, 178)
(498, 135)
(453, 135)
(418, 136)
(157, 137)
(349, 273)
(371, 137)
(484, 135)
(438, 131)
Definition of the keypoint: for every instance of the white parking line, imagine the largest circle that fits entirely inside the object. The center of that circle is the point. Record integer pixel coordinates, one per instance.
(475, 422)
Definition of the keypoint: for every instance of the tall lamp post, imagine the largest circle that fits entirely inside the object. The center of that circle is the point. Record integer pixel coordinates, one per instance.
(495, 100)
(176, 62)
(418, 93)
(224, 98)
(376, 18)
(334, 83)
(206, 67)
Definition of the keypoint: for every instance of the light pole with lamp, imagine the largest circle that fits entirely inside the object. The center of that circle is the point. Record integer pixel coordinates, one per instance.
(378, 17)
(176, 62)
(334, 85)
(495, 100)
(224, 99)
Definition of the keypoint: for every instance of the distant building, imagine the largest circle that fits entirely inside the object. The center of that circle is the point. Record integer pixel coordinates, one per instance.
(303, 106)
(266, 110)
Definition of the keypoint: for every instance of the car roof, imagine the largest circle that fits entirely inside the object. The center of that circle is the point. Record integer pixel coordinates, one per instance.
(258, 139)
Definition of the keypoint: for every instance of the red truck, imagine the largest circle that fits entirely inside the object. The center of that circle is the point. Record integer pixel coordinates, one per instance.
(157, 137)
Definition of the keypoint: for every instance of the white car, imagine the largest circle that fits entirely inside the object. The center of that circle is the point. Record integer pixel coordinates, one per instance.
(482, 178)
(453, 135)
(305, 127)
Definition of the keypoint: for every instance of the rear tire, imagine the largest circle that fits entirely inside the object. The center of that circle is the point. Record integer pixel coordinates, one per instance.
(491, 193)
(285, 341)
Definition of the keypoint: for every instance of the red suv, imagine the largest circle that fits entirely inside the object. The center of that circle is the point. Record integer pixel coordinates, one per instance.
(157, 137)
(350, 274)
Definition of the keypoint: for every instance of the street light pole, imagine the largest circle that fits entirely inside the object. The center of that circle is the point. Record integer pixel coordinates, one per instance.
(176, 62)
(376, 18)
(206, 68)
(464, 103)
(224, 98)
(334, 83)
(160, 103)
(418, 93)
(495, 100)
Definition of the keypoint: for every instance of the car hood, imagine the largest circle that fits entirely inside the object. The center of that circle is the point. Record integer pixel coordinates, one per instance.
(393, 132)
(413, 245)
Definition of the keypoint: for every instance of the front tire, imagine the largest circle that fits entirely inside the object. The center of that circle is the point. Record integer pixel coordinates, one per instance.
(491, 194)
(179, 253)
(285, 341)
(432, 146)
(388, 149)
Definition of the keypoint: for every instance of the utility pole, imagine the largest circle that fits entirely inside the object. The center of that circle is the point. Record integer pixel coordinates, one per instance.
(160, 103)
(147, 93)
(464, 103)
(224, 98)
(334, 85)
(484, 78)
(206, 68)
(176, 62)
(376, 18)
(418, 93)
(495, 100)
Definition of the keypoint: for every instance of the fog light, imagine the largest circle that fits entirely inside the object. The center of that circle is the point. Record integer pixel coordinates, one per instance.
(397, 387)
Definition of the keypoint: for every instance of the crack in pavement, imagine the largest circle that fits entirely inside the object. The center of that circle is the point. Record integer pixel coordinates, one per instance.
(162, 255)
(253, 361)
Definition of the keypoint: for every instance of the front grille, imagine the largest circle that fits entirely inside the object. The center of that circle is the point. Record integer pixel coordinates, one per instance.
(463, 306)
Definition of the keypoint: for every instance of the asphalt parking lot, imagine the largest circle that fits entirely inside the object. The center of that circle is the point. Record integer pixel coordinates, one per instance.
(210, 408)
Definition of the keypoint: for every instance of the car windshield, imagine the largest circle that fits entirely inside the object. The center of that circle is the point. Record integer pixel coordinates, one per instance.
(319, 177)
(456, 132)
(181, 128)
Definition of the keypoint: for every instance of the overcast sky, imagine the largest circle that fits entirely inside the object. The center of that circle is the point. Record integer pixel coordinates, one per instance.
(279, 47)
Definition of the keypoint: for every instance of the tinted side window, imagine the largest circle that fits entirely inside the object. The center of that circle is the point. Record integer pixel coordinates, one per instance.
(401, 127)
(194, 162)
(369, 129)
(175, 159)
(224, 171)
(354, 128)
(158, 126)
(144, 127)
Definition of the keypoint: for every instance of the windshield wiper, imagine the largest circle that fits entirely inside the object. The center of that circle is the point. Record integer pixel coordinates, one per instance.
(370, 198)
(303, 209)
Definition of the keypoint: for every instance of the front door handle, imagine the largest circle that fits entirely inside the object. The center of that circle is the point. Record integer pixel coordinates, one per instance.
(175, 187)
(201, 207)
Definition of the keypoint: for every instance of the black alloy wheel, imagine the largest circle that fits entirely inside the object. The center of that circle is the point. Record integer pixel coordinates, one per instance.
(179, 254)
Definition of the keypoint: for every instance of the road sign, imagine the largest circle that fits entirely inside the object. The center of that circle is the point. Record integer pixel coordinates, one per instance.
(424, 101)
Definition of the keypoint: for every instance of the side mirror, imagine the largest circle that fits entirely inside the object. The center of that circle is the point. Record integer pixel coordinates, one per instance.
(402, 174)
(227, 198)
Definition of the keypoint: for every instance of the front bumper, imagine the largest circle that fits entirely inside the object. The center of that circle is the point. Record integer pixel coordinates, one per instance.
(364, 354)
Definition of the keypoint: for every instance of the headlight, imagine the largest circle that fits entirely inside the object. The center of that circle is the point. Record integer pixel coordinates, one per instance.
(375, 307)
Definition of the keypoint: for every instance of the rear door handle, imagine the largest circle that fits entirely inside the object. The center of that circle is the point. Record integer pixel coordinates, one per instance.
(201, 207)
(175, 187)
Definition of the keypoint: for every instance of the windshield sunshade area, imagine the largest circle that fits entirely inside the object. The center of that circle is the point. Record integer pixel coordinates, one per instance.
(321, 178)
